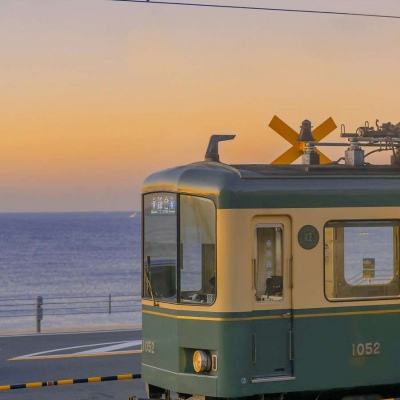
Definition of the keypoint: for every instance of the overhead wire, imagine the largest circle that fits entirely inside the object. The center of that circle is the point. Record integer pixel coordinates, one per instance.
(270, 9)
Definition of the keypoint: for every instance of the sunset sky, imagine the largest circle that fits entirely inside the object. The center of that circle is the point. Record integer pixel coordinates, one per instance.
(96, 94)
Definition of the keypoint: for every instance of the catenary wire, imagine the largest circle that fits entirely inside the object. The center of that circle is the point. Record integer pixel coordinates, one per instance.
(271, 9)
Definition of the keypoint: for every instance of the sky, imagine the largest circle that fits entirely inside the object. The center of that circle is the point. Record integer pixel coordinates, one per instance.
(97, 94)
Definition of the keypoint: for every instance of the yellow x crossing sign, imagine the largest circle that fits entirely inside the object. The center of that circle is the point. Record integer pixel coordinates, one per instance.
(292, 137)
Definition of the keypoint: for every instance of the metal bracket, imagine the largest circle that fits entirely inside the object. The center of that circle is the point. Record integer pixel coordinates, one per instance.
(212, 149)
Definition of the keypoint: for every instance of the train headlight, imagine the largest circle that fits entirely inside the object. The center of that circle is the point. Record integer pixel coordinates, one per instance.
(201, 361)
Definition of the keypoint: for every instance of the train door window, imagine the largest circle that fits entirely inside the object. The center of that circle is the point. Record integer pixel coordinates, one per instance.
(268, 272)
(362, 259)
(197, 250)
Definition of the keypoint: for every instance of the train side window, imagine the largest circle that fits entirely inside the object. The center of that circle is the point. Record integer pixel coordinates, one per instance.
(268, 273)
(362, 259)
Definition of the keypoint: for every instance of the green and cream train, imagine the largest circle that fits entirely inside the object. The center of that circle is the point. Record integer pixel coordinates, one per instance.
(273, 281)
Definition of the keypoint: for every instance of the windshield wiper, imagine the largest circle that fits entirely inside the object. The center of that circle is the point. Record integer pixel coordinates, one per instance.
(148, 281)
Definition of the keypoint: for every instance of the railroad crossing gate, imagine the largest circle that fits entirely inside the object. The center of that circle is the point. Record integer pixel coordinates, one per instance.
(298, 140)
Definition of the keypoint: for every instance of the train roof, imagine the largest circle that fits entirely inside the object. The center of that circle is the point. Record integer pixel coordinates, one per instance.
(282, 186)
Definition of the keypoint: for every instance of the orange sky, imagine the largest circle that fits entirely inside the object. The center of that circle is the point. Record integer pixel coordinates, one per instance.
(97, 94)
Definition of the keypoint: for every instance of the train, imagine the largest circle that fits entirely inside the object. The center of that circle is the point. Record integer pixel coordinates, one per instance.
(274, 281)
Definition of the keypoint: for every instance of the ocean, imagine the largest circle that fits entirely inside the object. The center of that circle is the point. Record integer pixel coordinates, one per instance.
(67, 258)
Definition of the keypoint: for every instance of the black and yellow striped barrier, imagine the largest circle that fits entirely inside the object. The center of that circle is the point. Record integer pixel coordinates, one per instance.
(93, 379)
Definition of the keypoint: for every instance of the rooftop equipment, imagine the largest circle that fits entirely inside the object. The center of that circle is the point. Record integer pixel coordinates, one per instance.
(212, 153)
(384, 137)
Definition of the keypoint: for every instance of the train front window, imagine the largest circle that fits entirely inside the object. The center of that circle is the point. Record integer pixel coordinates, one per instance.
(197, 244)
(185, 225)
(160, 246)
(268, 268)
(362, 259)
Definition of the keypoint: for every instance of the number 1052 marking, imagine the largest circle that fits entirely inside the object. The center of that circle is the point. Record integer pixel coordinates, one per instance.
(366, 349)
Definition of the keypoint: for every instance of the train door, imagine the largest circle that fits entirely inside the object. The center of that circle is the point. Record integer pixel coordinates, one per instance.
(272, 307)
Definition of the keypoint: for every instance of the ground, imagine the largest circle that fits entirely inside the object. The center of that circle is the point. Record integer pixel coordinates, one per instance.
(79, 355)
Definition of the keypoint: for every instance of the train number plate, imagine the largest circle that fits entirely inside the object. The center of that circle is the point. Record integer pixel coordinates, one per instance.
(148, 346)
(366, 349)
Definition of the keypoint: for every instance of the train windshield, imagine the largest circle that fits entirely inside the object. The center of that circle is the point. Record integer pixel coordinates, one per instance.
(160, 246)
(184, 225)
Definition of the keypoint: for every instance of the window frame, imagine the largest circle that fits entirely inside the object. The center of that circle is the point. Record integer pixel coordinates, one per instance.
(178, 240)
(355, 221)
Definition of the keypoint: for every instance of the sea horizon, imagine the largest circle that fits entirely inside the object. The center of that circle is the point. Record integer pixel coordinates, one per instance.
(61, 255)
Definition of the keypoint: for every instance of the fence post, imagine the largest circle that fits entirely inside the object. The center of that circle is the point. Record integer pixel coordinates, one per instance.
(109, 303)
(39, 313)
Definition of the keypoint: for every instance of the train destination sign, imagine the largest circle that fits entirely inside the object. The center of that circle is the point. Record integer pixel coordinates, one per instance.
(163, 204)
